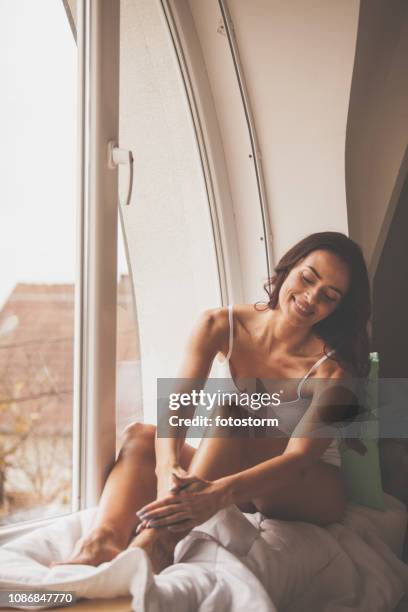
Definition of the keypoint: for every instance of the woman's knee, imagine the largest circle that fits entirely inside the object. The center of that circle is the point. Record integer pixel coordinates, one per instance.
(138, 438)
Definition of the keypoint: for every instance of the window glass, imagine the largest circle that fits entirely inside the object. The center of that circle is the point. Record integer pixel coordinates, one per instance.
(37, 253)
(128, 368)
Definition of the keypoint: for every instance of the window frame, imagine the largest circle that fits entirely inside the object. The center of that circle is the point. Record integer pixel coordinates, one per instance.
(94, 405)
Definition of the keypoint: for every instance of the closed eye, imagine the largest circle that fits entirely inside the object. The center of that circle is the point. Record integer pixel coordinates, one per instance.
(310, 281)
(306, 279)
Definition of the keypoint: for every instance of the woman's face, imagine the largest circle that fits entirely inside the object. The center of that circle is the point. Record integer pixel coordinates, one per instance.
(314, 288)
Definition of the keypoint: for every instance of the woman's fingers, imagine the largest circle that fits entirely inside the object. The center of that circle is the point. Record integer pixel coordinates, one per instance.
(140, 527)
(159, 503)
(164, 511)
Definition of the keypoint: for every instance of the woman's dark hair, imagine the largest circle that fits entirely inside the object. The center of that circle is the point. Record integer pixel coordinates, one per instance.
(345, 330)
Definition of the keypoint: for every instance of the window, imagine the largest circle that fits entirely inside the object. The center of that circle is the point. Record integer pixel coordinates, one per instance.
(37, 244)
(167, 267)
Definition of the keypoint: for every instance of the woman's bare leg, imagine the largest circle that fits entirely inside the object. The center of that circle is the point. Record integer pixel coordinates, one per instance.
(131, 484)
(215, 457)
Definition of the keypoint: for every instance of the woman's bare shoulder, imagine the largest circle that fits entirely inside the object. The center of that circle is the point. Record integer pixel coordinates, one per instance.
(214, 323)
(331, 368)
(246, 313)
(214, 329)
(219, 316)
(214, 318)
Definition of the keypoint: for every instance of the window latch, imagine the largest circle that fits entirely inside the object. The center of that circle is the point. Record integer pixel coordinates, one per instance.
(123, 157)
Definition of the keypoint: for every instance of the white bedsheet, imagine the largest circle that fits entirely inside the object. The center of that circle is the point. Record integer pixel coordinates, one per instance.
(233, 562)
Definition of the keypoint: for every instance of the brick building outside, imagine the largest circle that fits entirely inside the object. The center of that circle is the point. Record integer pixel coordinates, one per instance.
(36, 394)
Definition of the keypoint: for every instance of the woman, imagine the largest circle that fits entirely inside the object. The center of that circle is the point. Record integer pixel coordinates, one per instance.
(314, 327)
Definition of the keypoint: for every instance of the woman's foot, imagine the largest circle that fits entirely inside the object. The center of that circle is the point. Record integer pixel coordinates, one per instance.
(159, 545)
(100, 545)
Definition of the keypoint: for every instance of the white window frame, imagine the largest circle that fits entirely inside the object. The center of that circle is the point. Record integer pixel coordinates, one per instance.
(95, 371)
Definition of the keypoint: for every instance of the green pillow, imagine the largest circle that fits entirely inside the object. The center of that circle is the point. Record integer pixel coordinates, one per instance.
(362, 473)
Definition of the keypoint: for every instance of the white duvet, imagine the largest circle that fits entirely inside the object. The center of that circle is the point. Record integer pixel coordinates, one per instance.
(233, 562)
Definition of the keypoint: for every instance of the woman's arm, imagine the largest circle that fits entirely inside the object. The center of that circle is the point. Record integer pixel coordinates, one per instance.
(330, 404)
(270, 476)
(205, 342)
(333, 404)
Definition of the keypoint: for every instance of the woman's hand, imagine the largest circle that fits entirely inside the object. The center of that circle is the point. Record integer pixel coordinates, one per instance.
(192, 502)
(167, 479)
(171, 479)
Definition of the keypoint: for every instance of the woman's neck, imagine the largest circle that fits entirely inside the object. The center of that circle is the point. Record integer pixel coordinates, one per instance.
(290, 337)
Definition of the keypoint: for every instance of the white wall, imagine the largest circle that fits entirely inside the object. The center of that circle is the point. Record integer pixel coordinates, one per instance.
(298, 59)
(378, 123)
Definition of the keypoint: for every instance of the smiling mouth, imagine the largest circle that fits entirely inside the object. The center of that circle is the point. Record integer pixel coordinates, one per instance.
(302, 310)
